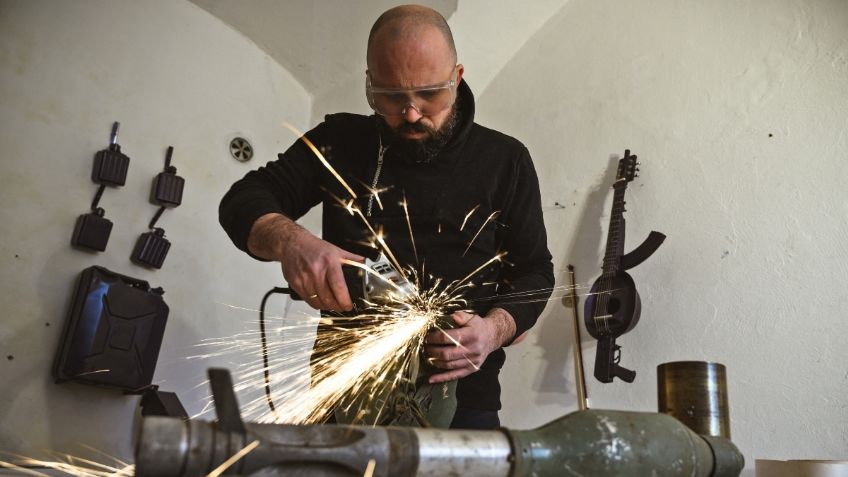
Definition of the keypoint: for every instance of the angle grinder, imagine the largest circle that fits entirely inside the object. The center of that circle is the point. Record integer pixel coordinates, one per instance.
(376, 282)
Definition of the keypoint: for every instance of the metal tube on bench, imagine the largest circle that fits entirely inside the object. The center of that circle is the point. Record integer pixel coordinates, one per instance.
(592, 442)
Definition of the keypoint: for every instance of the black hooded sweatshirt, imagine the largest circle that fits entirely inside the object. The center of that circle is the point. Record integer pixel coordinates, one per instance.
(480, 189)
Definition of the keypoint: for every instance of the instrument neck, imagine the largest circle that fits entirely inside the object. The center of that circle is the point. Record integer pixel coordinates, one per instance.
(615, 236)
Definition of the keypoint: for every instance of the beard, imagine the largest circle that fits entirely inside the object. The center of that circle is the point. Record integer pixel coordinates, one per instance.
(419, 151)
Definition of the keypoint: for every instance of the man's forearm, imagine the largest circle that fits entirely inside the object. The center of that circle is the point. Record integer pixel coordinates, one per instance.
(503, 323)
(270, 234)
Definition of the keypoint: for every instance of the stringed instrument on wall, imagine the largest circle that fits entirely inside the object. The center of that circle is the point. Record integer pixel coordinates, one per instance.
(613, 306)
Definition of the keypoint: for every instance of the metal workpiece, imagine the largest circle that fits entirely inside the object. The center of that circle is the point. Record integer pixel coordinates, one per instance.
(463, 453)
(592, 442)
(169, 447)
(619, 443)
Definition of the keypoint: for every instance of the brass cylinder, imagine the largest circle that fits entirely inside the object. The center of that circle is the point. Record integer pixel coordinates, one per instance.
(695, 392)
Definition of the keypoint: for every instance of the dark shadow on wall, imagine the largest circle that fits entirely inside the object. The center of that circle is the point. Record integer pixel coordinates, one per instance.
(541, 108)
(583, 252)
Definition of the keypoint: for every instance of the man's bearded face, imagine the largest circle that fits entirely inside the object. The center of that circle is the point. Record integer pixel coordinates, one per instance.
(419, 142)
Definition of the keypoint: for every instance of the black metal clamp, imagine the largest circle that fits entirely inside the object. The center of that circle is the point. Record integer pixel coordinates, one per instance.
(92, 230)
(152, 247)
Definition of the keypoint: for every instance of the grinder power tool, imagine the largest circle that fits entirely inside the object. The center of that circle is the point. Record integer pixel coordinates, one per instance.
(385, 286)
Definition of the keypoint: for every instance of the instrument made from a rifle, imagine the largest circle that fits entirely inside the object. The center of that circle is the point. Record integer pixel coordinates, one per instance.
(613, 306)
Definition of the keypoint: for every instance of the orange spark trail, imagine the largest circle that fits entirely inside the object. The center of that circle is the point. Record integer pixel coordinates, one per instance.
(468, 215)
(457, 284)
(488, 219)
(409, 224)
(232, 460)
(321, 158)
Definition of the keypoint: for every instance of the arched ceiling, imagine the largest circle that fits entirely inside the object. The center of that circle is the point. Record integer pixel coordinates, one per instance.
(316, 41)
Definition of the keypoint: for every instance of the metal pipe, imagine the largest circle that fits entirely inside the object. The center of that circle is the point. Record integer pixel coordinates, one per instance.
(591, 442)
(695, 392)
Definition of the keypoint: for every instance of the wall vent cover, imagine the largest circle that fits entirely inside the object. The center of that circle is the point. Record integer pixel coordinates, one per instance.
(240, 149)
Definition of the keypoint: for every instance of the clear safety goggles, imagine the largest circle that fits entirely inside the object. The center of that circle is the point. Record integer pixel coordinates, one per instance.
(427, 100)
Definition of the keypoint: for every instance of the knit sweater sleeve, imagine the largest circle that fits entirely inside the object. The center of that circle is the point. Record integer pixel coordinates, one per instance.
(289, 186)
(525, 285)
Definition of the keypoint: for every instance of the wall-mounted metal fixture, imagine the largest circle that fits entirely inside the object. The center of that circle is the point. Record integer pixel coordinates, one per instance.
(240, 149)
(167, 191)
(92, 230)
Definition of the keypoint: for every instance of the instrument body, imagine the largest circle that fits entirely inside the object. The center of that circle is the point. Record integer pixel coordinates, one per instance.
(615, 304)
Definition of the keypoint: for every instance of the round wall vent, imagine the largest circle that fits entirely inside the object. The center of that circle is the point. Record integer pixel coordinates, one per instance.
(240, 149)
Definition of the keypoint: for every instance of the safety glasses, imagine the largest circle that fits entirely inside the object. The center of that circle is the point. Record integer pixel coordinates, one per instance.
(427, 100)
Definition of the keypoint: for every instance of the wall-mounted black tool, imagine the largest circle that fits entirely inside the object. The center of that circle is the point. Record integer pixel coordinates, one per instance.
(113, 332)
(613, 305)
(152, 247)
(110, 168)
(167, 187)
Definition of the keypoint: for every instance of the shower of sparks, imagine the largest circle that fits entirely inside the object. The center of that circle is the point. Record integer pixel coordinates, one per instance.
(459, 284)
(232, 460)
(364, 359)
(488, 219)
(375, 192)
(320, 158)
(70, 465)
(409, 225)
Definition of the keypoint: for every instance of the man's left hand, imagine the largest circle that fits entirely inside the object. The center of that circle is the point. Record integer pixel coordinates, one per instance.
(463, 350)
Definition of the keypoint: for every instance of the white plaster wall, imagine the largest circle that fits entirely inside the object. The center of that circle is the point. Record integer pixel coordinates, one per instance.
(172, 75)
(738, 112)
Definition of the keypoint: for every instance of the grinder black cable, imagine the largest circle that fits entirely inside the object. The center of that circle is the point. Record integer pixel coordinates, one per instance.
(262, 335)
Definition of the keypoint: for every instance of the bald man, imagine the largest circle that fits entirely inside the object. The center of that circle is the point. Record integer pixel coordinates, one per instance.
(462, 183)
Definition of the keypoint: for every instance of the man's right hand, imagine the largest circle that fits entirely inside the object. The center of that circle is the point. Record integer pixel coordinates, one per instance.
(311, 266)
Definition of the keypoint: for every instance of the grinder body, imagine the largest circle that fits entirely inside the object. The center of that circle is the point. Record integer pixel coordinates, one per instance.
(382, 285)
